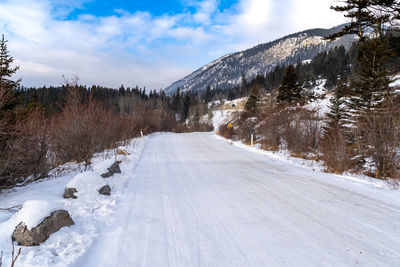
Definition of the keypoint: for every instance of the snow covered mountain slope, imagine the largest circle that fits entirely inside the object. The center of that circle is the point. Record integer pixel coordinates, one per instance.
(226, 71)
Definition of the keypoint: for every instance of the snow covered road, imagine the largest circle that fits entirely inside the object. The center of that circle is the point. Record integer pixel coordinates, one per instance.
(196, 201)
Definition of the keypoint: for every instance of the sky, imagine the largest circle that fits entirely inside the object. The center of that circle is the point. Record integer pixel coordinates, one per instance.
(146, 43)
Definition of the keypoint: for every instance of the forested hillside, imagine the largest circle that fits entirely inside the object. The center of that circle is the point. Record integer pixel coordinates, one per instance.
(341, 108)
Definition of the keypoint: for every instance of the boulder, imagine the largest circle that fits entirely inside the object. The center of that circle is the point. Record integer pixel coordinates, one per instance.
(41, 233)
(112, 170)
(70, 192)
(105, 190)
(123, 152)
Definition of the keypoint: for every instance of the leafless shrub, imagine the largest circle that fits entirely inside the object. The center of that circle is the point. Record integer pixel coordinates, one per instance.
(83, 129)
(334, 151)
(246, 128)
(31, 146)
(376, 135)
(24, 148)
(294, 126)
(302, 132)
(200, 127)
(271, 128)
(225, 131)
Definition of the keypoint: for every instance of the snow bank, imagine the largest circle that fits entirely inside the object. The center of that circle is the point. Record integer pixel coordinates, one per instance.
(307, 164)
(102, 166)
(91, 212)
(86, 182)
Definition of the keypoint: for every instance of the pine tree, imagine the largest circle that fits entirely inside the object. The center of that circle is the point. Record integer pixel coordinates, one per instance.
(251, 109)
(186, 107)
(370, 95)
(207, 94)
(364, 14)
(337, 114)
(7, 86)
(6, 71)
(371, 85)
(176, 101)
(290, 89)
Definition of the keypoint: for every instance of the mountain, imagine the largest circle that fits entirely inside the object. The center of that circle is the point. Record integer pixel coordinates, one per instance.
(226, 72)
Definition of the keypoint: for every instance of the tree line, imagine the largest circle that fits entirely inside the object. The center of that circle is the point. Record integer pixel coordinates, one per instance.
(42, 128)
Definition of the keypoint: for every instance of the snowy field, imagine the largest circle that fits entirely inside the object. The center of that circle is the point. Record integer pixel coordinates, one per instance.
(195, 200)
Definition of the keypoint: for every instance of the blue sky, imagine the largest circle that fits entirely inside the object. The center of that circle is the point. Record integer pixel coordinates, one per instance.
(157, 8)
(145, 43)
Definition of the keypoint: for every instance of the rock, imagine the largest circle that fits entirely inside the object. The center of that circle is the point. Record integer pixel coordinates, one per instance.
(70, 192)
(123, 152)
(112, 170)
(41, 233)
(105, 190)
(106, 175)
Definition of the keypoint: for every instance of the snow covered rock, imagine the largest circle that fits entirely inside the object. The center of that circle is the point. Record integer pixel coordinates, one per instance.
(83, 183)
(41, 232)
(113, 169)
(105, 190)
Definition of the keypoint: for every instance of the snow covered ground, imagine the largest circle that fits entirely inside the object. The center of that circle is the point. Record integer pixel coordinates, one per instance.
(194, 200)
(90, 212)
(197, 201)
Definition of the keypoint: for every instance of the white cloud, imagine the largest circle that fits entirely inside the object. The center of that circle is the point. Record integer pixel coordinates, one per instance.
(256, 13)
(139, 48)
(315, 14)
(205, 10)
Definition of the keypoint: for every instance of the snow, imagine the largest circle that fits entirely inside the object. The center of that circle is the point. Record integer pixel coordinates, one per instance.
(312, 165)
(322, 101)
(86, 183)
(90, 212)
(320, 105)
(206, 203)
(319, 89)
(31, 213)
(197, 200)
(396, 83)
(102, 167)
(221, 117)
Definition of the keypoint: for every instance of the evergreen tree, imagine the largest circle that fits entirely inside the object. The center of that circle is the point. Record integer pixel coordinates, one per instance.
(6, 70)
(176, 101)
(370, 94)
(337, 114)
(243, 84)
(364, 14)
(207, 94)
(289, 90)
(371, 85)
(251, 109)
(186, 107)
(357, 11)
(7, 86)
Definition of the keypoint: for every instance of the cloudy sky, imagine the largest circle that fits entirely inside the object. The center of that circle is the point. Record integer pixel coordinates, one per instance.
(140, 42)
